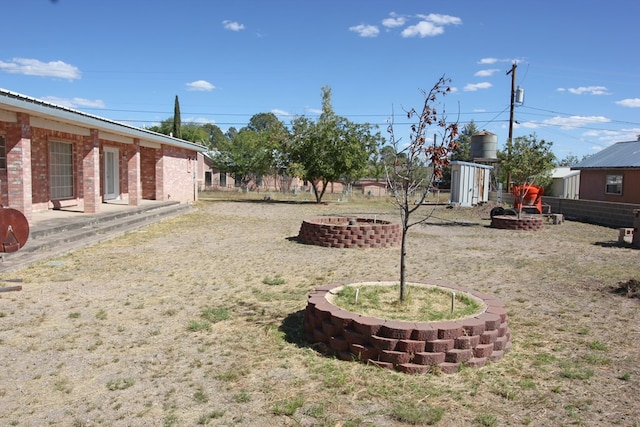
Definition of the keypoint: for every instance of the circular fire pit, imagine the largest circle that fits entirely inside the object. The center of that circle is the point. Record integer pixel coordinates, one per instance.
(344, 232)
(510, 222)
(410, 347)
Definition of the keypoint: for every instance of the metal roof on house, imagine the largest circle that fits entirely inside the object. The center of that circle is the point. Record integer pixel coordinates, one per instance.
(21, 103)
(625, 155)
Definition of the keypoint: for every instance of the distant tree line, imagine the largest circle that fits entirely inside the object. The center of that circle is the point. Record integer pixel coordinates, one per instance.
(332, 148)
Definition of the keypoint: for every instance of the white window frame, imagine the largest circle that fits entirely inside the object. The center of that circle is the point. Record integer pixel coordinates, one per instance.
(61, 171)
(613, 184)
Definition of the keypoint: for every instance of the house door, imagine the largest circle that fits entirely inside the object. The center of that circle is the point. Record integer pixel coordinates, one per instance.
(111, 174)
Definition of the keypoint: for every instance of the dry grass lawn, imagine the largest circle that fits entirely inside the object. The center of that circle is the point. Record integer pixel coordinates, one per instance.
(197, 321)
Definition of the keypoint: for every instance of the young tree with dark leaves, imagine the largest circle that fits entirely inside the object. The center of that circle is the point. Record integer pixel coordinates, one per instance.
(407, 176)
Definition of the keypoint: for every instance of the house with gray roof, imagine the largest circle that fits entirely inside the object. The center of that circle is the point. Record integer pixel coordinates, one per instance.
(53, 157)
(612, 175)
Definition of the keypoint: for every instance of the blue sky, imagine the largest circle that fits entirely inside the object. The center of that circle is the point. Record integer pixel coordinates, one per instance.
(228, 60)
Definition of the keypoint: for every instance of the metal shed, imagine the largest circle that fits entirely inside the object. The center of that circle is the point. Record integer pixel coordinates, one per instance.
(565, 183)
(469, 183)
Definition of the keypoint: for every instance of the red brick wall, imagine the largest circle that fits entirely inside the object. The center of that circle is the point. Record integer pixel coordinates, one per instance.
(40, 165)
(148, 172)
(178, 166)
(165, 173)
(592, 185)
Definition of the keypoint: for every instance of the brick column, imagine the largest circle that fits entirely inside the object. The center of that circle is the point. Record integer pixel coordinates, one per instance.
(91, 173)
(133, 172)
(160, 191)
(19, 185)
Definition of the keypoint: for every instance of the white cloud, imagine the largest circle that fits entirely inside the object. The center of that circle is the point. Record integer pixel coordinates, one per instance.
(198, 120)
(441, 19)
(200, 86)
(592, 90)
(572, 122)
(280, 113)
(490, 61)
(430, 25)
(394, 21)
(75, 102)
(34, 67)
(486, 73)
(232, 25)
(365, 30)
(629, 102)
(422, 29)
(477, 86)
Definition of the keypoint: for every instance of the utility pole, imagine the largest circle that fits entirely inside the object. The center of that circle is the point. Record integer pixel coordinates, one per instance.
(512, 71)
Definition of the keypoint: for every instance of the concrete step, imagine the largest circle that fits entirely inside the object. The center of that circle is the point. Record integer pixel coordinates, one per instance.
(57, 237)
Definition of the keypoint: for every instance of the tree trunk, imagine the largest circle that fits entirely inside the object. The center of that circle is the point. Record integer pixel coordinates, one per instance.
(403, 256)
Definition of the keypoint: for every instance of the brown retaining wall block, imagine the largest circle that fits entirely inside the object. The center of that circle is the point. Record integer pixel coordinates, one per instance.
(343, 232)
(510, 222)
(410, 347)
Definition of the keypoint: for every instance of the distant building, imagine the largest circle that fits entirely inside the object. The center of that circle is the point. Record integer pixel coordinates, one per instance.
(565, 183)
(612, 175)
(53, 157)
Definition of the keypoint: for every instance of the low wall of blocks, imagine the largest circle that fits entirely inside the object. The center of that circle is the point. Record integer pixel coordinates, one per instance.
(343, 232)
(511, 222)
(636, 229)
(410, 347)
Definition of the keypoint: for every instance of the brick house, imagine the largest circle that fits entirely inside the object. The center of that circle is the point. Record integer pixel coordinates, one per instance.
(53, 157)
(612, 175)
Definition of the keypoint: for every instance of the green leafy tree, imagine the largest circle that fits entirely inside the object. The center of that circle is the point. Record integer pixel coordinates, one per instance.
(571, 160)
(177, 124)
(274, 136)
(330, 149)
(216, 136)
(531, 163)
(206, 134)
(246, 157)
(462, 151)
(231, 133)
(409, 180)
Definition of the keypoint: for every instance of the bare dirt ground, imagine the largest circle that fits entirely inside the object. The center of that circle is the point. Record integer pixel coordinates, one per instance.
(197, 321)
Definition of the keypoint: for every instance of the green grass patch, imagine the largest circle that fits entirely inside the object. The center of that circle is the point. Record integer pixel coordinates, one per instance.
(417, 414)
(597, 345)
(486, 420)
(215, 315)
(242, 397)
(120, 384)
(197, 326)
(422, 303)
(204, 419)
(288, 406)
(273, 281)
(575, 371)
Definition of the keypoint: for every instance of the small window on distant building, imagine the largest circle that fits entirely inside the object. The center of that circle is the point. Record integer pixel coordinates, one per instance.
(223, 179)
(614, 184)
(3, 152)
